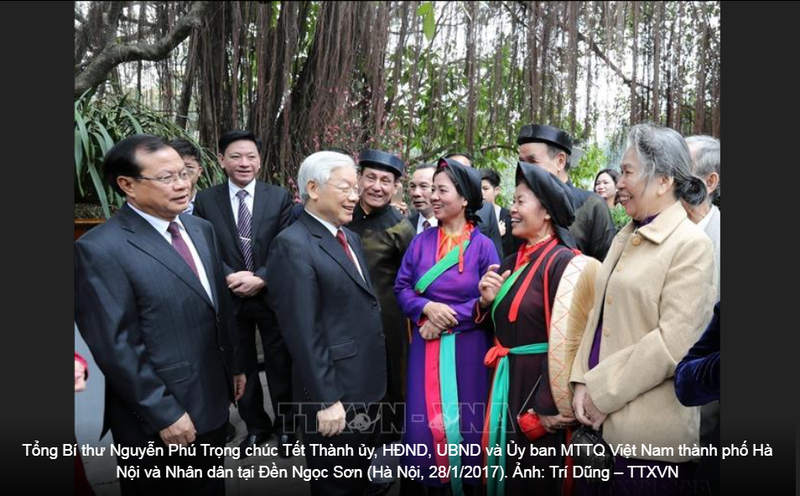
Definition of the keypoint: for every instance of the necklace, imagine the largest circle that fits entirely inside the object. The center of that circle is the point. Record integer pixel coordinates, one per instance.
(538, 243)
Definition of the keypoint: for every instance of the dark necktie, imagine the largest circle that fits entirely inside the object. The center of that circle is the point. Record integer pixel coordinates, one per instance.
(426, 224)
(245, 229)
(181, 247)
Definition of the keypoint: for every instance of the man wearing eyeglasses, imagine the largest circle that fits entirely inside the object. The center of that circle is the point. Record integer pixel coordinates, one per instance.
(190, 155)
(152, 303)
(247, 215)
(330, 316)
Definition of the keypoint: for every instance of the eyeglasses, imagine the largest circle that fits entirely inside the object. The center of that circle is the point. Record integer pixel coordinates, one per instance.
(346, 190)
(167, 180)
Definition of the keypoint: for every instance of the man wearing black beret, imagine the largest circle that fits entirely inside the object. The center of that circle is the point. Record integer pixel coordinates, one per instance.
(550, 148)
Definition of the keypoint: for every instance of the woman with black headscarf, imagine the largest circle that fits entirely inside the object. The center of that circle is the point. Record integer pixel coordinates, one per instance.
(437, 289)
(518, 301)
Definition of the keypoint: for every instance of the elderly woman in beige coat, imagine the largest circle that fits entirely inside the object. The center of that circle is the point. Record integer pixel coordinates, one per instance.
(654, 295)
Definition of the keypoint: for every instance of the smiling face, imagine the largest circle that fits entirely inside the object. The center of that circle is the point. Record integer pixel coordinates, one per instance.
(377, 187)
(165, 201)
(447, 204)
(335, 200)
(241, 162)
(640, 197)
(529, 219)
(605, 187)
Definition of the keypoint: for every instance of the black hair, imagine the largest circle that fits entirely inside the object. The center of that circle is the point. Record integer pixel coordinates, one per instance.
(611, 172)
(120, 160)
(226, 139)
(492, 176)
(185, 148)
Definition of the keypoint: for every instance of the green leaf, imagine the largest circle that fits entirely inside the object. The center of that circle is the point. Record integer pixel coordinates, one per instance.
(133, 120)
(98, 186)
(429, 26)
(424, 8)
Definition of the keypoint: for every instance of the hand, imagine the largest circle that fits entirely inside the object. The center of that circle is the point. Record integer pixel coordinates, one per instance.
(440, 315)
(429, 331)
(490, 285)
(236, 276)
(502, 226)
(181, 432)
(331, 421)
(247, 285)
(552, 423)
(578, 399)
(402, 207)
(595, 416)
(80, 376)
(239, 383)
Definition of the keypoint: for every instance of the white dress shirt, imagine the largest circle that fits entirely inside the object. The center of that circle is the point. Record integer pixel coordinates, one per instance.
(161, 226)
(248, 200)
(433, 221)
(333, 230)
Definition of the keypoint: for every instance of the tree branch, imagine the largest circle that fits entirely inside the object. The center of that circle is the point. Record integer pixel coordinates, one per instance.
(114, 54)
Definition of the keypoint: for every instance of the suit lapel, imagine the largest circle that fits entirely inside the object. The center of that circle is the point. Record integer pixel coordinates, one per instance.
(147, 239)
(333, 249)
(259, 210)
(204, 252)
(224, 204)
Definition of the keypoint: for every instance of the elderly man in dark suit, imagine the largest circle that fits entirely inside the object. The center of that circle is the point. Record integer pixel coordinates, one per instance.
(330, 317)
(152, 304)
(247, 215)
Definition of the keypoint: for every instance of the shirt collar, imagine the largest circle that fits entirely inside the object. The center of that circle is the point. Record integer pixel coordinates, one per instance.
(158, 224)
(330, 227)
(705, 220)
(250, 188)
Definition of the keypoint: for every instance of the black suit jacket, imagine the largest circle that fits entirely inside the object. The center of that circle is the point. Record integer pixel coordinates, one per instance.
(163, 346)
(272, 212)
(329, 316)
(488, 226)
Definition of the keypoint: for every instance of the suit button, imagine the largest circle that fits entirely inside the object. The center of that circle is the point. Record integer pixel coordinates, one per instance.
(619, 267)
(222, 348)
(382, 335)
(374, 304)
(636, 241)
(606, 331)
(608, 300)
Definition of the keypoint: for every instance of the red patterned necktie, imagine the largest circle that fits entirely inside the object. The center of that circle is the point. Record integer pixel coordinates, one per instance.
(343, 241)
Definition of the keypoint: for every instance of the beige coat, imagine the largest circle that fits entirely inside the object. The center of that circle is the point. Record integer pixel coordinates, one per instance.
(656, 289)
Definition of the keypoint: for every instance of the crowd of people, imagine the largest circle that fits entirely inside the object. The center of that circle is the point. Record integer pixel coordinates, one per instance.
(457, 323)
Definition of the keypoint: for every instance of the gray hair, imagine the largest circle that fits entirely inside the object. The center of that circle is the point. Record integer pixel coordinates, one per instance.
(318, 167)
(553, 151)
(664, 152)
(706, 159)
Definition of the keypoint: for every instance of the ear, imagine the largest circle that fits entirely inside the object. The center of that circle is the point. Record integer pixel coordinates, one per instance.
(665, 185)
(313, 190)
(126, 185)
(712, 181)
(562, 161)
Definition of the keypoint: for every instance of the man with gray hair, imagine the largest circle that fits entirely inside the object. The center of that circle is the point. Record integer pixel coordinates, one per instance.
(706, 166)
(330, 317)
